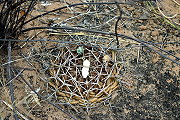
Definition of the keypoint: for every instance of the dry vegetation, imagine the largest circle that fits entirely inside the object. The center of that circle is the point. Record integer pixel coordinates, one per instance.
(132, 47)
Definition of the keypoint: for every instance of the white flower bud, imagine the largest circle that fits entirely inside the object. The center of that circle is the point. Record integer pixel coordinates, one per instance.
(85, 72)
(86, 63)
(85, 69)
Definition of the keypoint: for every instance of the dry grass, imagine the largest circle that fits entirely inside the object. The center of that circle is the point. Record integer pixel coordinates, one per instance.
(41, 66)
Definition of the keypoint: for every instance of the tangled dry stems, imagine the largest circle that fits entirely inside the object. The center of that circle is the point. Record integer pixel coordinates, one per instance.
(64, 80)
